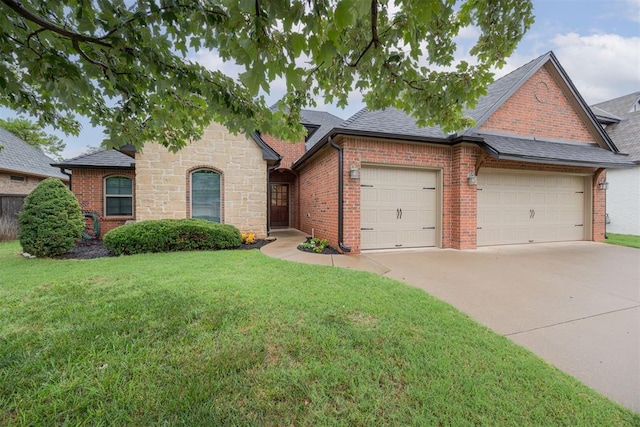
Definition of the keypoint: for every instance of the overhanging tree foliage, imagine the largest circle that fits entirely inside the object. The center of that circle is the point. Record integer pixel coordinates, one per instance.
(128, 65)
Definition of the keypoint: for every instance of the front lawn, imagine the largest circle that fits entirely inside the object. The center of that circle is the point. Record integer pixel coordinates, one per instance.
(236, 338)
(623, 240)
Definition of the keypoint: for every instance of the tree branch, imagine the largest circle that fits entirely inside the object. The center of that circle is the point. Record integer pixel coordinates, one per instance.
(76, 46)
(25, 13)
(375, 41)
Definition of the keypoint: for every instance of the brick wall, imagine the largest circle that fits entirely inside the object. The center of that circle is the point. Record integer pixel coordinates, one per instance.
(290, 151)
(15, 186)
(88, 187)
(162, 179)
(318, 183)
(539, 108)
(458, 225)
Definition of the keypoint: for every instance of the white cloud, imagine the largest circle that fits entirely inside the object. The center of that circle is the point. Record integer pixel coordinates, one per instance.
(602, 66)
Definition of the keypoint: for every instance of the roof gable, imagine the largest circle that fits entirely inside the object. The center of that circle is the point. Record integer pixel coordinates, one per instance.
(18, 156)
(526, 75)
(539, 108)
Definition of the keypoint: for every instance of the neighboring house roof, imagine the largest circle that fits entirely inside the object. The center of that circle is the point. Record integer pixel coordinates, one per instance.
(395, 124)
(626, 131)
(18, 156)
(101, 159)
(622, 105)
(605, 117)
(323, 120)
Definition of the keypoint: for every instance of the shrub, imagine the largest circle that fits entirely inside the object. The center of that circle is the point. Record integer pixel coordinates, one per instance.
(171, 235)
(51, 220)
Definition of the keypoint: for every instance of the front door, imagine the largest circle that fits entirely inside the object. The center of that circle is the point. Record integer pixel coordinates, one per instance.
(279, 205)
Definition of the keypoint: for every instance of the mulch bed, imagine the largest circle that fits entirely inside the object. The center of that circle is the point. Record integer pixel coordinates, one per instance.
(327, 251)
(97, 249)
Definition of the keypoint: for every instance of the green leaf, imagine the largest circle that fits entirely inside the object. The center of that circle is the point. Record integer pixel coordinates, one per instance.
(343, 15)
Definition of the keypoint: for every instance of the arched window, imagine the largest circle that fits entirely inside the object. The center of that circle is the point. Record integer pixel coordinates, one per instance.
(118, 195)
(205, 195)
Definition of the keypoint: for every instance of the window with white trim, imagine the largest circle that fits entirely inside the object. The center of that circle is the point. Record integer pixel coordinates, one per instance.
(205, 195)
(118, 195)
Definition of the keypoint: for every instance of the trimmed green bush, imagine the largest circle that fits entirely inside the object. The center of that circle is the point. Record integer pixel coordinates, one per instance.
(51, 220)
(171, 235)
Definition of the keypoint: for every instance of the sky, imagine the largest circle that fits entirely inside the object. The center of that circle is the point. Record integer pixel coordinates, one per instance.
(596, 41)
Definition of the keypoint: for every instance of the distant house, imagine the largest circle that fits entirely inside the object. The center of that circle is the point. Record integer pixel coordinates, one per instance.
(621, 119)
(531, 170)
(22, 167)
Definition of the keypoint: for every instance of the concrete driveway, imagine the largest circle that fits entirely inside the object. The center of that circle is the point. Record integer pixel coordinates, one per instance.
(576, 305)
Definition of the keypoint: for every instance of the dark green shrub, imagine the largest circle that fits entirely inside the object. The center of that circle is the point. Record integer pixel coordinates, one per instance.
(170, 235)
(51, 220)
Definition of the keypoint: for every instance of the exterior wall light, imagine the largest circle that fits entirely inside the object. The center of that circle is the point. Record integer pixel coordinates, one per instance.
(354, 172)
(603, 185)
(472, 179)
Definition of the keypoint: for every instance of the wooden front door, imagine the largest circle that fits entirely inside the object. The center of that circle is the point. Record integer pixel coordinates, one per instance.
(279, 205)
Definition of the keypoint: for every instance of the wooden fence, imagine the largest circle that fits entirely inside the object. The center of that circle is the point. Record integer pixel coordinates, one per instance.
(10, 205)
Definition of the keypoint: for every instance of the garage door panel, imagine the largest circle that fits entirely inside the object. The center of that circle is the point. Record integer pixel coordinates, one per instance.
(529, 207)
(399, 207)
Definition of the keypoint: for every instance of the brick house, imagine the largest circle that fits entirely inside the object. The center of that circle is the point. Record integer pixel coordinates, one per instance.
(528, 171)
(22, 167)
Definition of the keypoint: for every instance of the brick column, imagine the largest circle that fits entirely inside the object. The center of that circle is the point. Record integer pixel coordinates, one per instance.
(464, 207)
(599, 206)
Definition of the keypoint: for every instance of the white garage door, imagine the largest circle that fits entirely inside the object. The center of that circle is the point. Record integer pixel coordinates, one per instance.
(398, 208)
(530, 207)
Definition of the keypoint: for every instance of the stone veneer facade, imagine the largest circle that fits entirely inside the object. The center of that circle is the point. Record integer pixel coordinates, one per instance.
(163, 179)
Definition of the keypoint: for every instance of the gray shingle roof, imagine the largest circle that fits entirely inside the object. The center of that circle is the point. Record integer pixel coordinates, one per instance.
(626, 133)
(393, 123)
(541, 151)
(18, 156)
(620, 106)
(325, 121)
(389, 121)
(100, 159)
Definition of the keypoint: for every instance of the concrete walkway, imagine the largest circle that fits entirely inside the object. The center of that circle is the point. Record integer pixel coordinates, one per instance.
(576, 305)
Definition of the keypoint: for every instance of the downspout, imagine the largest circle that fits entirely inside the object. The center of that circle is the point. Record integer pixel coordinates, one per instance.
(340, 198)
(64, 172)
(269, 170)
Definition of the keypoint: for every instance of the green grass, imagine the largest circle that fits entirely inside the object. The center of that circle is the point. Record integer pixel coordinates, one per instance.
(236, 338)
(623, 240)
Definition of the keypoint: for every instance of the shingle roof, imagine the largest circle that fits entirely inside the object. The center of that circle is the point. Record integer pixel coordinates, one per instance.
(21, 157)
(620, 106)
(625, 133)
(393, 123)
(325, 121)
(112, 159)
(541, 151)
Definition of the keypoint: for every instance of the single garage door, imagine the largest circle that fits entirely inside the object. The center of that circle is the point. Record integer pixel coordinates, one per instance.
(398, 207)
(530, 207)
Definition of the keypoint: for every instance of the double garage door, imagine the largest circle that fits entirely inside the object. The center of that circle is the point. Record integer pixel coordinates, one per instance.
(530, 207)
(399, 208)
